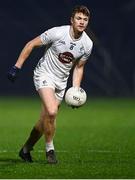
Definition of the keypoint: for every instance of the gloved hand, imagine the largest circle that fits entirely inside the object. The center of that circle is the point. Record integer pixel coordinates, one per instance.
(13, 73)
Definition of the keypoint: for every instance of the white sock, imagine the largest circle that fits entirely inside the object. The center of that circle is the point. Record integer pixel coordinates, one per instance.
(49, 146)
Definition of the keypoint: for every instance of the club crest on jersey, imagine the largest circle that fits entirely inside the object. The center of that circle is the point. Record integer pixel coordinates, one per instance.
(66, 57)
(81, 50)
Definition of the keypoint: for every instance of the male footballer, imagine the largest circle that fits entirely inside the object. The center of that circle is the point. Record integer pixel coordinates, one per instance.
(65, 47)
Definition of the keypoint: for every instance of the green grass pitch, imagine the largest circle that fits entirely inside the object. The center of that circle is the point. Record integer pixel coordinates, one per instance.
(95, 141)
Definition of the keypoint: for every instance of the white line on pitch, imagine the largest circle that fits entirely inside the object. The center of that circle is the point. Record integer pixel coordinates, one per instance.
(64, 151)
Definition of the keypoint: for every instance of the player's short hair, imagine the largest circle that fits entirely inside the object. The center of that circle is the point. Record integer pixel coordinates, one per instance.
(82, 9)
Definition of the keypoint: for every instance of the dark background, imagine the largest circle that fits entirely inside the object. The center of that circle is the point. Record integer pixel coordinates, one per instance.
(110, 70)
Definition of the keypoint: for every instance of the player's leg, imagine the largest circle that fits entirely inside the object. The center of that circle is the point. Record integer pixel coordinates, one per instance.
(50, 104)
(46, 124)
(35, 135)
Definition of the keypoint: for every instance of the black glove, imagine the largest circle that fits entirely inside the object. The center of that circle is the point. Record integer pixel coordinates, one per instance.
(13, 73)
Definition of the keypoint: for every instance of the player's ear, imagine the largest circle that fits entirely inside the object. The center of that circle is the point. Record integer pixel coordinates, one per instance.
(71, 20)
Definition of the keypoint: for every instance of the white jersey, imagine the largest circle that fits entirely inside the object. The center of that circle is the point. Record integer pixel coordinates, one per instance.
(61, 53)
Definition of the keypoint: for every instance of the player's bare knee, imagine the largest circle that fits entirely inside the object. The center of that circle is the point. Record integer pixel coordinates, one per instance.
(52, 112)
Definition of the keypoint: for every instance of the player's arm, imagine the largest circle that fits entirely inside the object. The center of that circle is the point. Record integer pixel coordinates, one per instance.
(79, 68)
(26, 51)
(78, 73)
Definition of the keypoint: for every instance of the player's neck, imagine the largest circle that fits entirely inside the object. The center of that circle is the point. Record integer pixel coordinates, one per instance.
(74, 34)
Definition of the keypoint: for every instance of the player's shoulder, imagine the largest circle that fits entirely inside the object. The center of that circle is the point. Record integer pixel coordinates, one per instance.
(87, 45)
(60, 31)
(87, 40)
(63, 28)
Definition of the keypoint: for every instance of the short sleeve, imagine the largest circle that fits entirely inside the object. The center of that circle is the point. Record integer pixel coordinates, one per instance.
(87, 54)
(49, 36)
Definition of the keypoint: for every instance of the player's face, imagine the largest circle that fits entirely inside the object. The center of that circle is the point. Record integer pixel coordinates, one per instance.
(79, 22)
